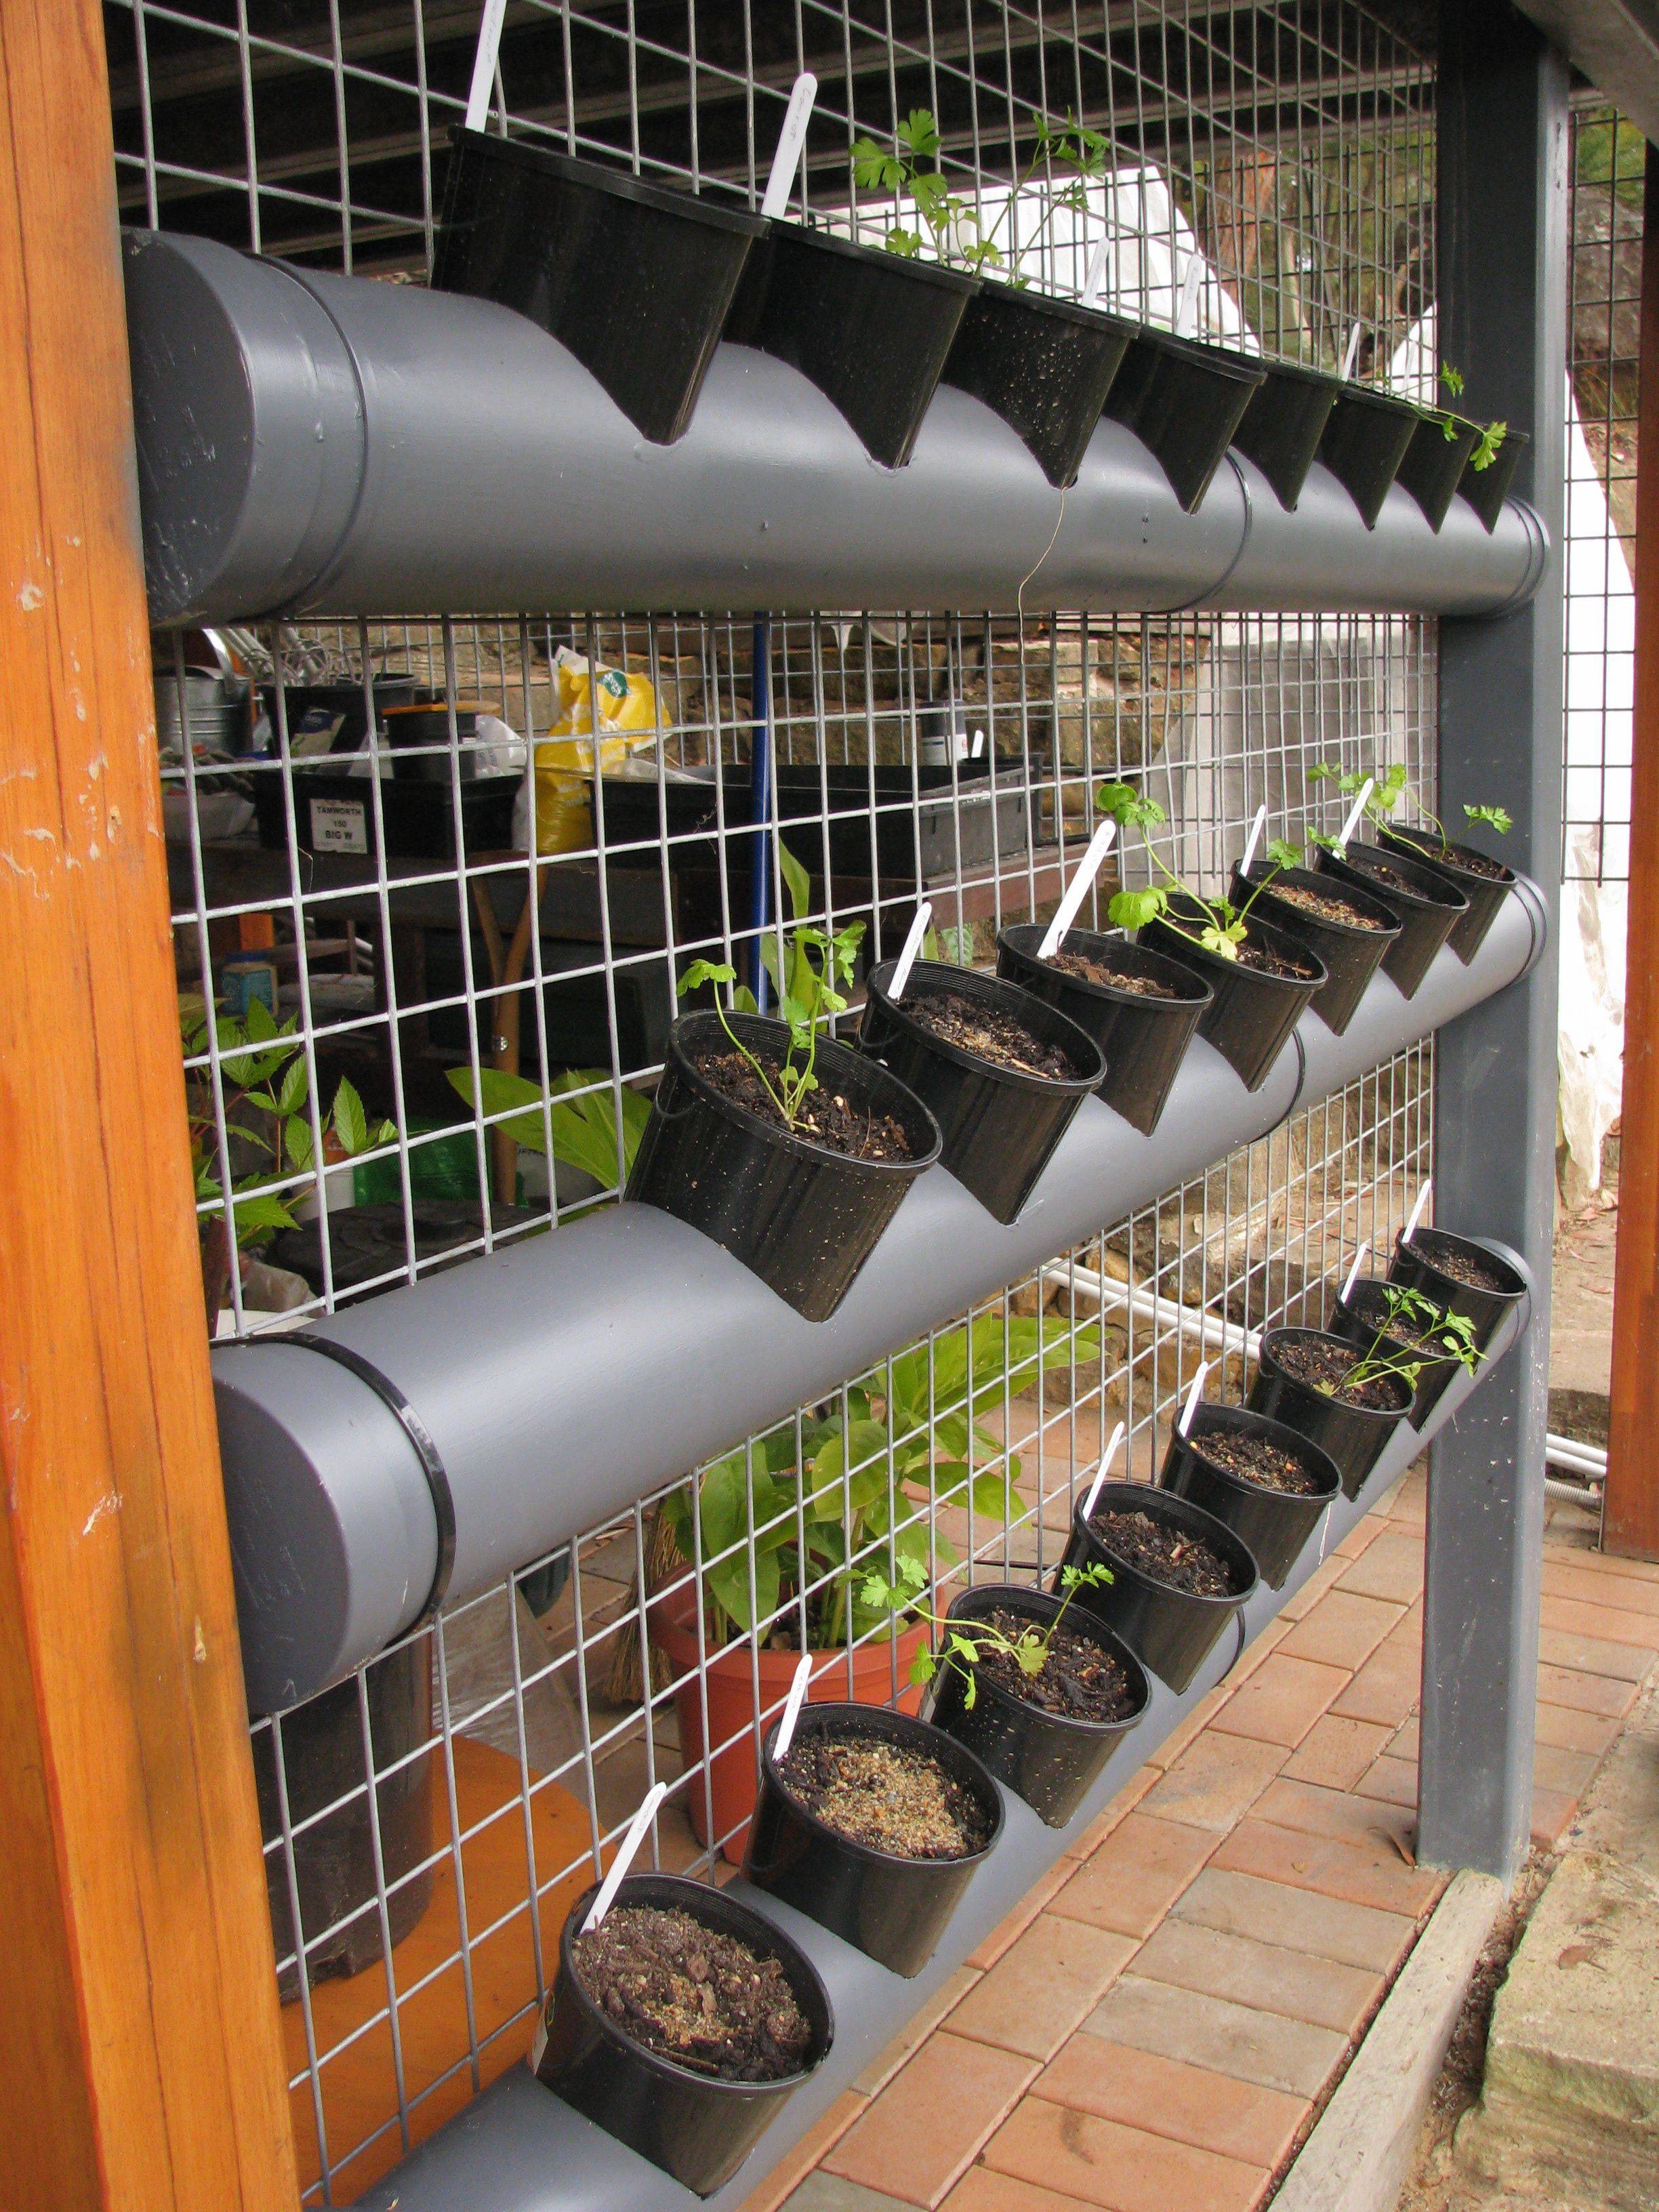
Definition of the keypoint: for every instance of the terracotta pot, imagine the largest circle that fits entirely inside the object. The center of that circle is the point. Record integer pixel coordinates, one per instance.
(734, 1770)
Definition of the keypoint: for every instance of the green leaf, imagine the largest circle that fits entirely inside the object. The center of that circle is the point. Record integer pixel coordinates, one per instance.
(350, 1122)
(1128, 807)
(1134, 910)
(796, 881)
(296, 1086)
(1495, 817)
(1283, 855)
(258, 1215)
(706, 971)
(919, 133)
(296, 1139)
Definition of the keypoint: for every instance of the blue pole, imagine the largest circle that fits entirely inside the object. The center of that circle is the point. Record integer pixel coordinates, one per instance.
(760, 803)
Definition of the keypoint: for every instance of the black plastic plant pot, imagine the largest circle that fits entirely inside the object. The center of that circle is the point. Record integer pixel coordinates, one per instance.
(1429, 906)
(1363, 1317)
(1049, 1760)
(1184, 402)
(1485, 490)
(1284, 425)
(1000, 1125)
(894, 1910)
(695, 2126)
(872, 329)
(1170, 1630)
(1351, 953)
(1143, 1039)
(1044, 365)
(804, 1218)
(1416, 1264)
(1433, 466)
(1275, 1526)
(1251, 1013)
(1365, 442)
(1352, 1436)
(635, 280)
(1485, 893)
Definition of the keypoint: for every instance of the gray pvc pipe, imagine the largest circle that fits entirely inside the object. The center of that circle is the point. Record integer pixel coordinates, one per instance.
(569, 1375)
(520, 2149)
(329, 445)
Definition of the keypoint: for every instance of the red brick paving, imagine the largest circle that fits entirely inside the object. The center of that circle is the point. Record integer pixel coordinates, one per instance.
(1152, 2027)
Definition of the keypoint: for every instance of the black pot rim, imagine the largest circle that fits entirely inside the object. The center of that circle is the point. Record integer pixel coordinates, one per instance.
(1143, 1492)
(1391, 922)
(1443, 896)
(1023, 1594)
(1240, 367)
(1197, 991)
(572, 169)
(1425, 1259)
(1261, 933)
(928, 272)
(786, 1140)
(1293, 372)
(1053, 303)
(824, 1716)
(1017, 1078)
(1390, 1413)
(653, 2061)
(1225, 1417)
(1422, 840)
(1367, 395)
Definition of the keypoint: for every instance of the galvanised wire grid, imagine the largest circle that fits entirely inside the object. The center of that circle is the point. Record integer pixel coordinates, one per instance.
(470, 974)
(1604, 335)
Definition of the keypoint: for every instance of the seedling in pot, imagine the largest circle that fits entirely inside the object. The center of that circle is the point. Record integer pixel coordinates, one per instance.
(953, 226)
(1225, 926)
(1493, 434)
(1414, 1334)
(963, 1644)
(1387, 791)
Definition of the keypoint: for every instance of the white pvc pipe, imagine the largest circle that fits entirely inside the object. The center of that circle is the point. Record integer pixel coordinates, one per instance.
(1211, 1331)
(791, 141)
(484, 64)
(625, 1857)
(1087, 869)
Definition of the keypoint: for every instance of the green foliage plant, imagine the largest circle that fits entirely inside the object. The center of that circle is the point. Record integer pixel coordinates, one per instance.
(1491, 434)
(1387, 791)
(1077, 152)
(807, 970)
(964, 1644)
(267, 1105)
(1222, 926)
(1422, 1332)
(817, 1505)
(581, 1118)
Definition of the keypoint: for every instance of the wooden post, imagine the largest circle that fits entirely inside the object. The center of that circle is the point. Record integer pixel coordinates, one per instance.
(1630, 1521)
(140, 2064)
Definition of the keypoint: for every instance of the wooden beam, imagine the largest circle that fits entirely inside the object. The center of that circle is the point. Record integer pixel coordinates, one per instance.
(139, 2044)
(1630, 1521)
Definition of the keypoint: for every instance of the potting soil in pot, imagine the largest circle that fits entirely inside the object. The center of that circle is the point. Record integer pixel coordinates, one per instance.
(1113, 979)
(1080, 1678)
(1464, 1267)
(989, 1033)
(1269, 964)
(825, 1117)
(1257, 1460)
(1164, 1551)
(1327, 908)
(1322, 1365)
(693, 1994)
(886, 1796)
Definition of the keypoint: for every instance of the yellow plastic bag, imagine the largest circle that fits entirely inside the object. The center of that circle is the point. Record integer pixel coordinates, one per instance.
(564, 758)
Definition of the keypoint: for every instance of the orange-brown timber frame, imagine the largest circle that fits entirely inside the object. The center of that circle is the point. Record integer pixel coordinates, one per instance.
(141, 2066)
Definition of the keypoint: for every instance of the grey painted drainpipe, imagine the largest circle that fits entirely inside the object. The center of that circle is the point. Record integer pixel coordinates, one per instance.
(312, 444)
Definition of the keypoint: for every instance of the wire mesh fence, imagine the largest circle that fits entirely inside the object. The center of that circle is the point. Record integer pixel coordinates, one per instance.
(436, 884)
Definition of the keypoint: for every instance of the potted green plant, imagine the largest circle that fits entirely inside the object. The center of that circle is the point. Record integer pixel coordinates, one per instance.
(1042, 1700)
(1260, 979)
(811, 1518)
(1178, 1578)
(1416, 1329)
(1443, 446)
(1482, 882)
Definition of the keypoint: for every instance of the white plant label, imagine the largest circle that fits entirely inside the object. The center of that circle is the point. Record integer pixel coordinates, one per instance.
(907, 959)
(1353, 1271)
(1256, 829)
(1355, 811)
(791, 140)
(1185, 1424)
(624, 1858)
(1094, 282)
(1077, 890)
(1106, 1459)
(1416, 1214)
(1185, 322)
(792, 1705)
(1352, 353)
(484, 64)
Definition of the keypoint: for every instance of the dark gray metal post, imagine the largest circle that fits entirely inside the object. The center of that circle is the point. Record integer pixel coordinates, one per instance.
(1502, 278)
